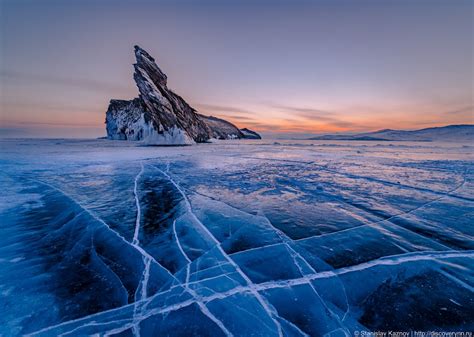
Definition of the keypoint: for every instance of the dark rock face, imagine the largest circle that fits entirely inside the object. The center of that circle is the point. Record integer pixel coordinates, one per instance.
(158, 115)
(249, 134)
(222, 129)
(167, 109)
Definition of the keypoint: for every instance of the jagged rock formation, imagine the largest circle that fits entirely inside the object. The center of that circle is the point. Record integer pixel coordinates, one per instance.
(159, 116)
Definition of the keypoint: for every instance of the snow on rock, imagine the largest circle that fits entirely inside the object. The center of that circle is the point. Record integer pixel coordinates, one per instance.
(172, 136)
(124, 119)
(159, 116)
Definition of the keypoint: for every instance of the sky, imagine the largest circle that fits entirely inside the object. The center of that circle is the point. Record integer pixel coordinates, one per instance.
(278, 67)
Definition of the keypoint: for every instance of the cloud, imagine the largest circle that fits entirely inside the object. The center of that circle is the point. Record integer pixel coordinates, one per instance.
(273, 127)
(306, 112)
(233, 114)
(48, 106)
(315, 115)
(240, 118)
(222, 109)
(460, 111)
(81, 83)
(78, 125)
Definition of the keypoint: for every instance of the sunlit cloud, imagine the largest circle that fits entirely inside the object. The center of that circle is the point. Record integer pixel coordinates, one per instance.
(313, 119)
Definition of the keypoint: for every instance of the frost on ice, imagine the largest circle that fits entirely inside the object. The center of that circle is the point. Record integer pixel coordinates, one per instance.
(102, 237)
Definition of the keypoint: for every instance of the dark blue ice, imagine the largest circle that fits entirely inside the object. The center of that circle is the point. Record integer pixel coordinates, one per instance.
(235, 238)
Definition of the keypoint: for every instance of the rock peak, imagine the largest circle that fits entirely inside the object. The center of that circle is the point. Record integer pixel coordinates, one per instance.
(140, 50)
(146, 64)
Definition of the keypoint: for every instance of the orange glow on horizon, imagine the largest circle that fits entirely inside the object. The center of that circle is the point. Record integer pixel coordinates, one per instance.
(265, 120)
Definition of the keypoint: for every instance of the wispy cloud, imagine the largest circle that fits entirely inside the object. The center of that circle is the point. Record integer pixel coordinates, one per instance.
(49, 106)
(307, 112)
(240, 118)
(328, 118)
(79, 125)
(460, 111)
(277, 126)
(221, 109)
(81, 83)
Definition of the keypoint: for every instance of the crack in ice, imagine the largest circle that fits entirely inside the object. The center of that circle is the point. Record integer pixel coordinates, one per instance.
(137, 203)
(294, 254)
(178, 243)
(387, 261)
(146, 272)
(141, 312)
(370, 224)
(264, 304)
(355, 176)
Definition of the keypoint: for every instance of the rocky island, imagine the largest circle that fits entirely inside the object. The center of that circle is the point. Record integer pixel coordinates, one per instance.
(158, 116)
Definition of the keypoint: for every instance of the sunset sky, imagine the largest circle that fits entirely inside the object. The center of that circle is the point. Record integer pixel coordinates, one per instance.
(281, 67)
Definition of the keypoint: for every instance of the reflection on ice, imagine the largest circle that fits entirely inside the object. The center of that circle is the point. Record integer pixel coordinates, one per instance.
(235, 239)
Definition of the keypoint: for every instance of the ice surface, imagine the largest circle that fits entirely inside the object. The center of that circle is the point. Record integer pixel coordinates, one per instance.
(262, 238)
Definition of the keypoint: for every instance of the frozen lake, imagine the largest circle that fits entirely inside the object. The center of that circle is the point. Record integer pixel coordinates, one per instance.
(262, 238)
